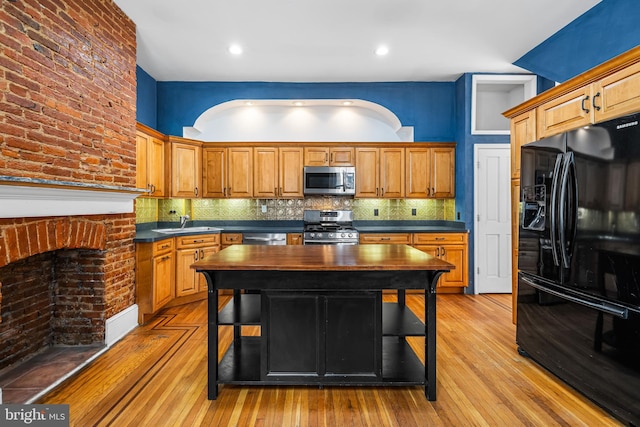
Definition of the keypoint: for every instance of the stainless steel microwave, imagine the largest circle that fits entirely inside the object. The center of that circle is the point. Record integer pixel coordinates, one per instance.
(329, 180)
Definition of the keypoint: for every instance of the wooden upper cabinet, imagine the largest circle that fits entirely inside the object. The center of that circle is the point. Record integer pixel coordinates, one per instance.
(391, 173)
(290, 161)
(329, 156)
(418, 165)
(265, 172)
(379, 172)
(443, 172)
(611, 96)
(430, 172)
(277, 172)
(617, 94)
(240, 172)
(566, 112)
(367, 172)
(150, 163)
(214, 173)
(186, 168)
(523, 131)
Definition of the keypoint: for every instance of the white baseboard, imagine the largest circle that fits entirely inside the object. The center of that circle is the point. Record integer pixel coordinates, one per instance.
(120, 324)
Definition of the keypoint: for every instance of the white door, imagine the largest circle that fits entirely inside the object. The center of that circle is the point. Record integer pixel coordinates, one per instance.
(492, 209)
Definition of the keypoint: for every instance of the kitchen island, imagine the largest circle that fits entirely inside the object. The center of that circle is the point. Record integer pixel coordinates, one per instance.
(321, 315)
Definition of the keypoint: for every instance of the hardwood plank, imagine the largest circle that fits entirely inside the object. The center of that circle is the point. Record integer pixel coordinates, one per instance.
(157, 376)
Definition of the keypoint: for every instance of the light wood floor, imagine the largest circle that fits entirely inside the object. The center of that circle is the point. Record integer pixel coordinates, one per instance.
(157, 376)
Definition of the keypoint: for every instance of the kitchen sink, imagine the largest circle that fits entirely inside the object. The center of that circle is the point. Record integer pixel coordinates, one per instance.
(186, 230)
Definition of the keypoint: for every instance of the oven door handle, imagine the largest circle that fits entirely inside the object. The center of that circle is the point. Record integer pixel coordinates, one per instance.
(614, 310)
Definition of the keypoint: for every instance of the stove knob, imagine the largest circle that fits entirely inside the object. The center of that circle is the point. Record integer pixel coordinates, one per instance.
(312, 235)
(350, 234)
(330, 235)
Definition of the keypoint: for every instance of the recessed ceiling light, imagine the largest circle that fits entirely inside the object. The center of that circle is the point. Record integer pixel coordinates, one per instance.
(382, 50)
(248, 103)
(235, 49)
(347, 103)
(298, 103)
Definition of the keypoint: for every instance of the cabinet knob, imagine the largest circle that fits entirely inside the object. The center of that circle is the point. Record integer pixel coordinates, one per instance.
(196, 191)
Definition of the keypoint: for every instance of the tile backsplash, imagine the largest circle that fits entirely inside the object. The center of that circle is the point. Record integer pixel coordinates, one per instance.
(152, 210)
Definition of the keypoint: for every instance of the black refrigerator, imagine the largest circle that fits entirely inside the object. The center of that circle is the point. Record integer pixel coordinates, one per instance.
(579, 261)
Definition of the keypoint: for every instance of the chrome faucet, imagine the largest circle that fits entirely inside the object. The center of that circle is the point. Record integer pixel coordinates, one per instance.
(183, 220)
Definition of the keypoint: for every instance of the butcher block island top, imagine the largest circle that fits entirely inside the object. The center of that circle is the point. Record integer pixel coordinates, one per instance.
(321, 257)
(321, 315)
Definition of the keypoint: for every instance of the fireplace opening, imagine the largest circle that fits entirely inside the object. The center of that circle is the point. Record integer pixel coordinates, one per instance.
(53, 319)
(51, 299)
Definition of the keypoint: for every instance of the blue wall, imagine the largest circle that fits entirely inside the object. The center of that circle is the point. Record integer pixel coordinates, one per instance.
(429, 107)
(146, 100)
(603, 32)
(465, 161)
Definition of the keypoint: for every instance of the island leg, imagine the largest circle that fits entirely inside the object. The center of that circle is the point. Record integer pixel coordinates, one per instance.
(430, 334)
(212, 338)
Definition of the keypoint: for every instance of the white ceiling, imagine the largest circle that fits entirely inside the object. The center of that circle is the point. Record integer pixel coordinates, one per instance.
(334, 40)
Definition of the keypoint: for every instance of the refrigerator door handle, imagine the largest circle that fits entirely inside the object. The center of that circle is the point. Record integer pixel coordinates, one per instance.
(554, 226)
(562, 223)
(602, 306)
(573, 208)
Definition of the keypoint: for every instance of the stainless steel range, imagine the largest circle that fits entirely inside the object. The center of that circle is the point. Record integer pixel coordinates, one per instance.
(325, 227)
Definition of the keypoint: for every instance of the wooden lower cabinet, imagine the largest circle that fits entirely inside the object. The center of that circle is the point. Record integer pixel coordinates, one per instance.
(228, 239)
(190, 249)
(450, 247)
(294, 238)
(155, 277)
(385, 238)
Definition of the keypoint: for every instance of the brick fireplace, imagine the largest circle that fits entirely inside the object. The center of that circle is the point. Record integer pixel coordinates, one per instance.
(67, 115)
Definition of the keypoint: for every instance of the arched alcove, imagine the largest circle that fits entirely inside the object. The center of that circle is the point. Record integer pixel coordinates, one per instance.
(299, 120)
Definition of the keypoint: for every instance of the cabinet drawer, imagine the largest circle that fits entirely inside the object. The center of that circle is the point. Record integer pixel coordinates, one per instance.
(231, 238)
(439, 238)
(162, 246)
(386, 238)
(197, 241)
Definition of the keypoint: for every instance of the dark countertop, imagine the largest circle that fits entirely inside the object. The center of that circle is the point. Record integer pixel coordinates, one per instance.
(144, 233)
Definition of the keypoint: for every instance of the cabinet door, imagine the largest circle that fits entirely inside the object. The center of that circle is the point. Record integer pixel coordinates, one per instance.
(566, 112)
(291, 344)
(316, 156)
(290, 174)
(240, 172)
(523, 131)
(294, 238)
(392, 173)
(265, 172)
(342, 156)
(456, 255)
(417, 177)
(367, 176)
(617, 94)
(142, 141)
(203, 253)
(186, 170)
(150, 164)
(163, 274)
(214, 172)
(186, 280)
(443, 172)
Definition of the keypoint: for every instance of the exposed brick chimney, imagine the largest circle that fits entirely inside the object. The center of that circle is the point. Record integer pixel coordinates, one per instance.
(68, 113)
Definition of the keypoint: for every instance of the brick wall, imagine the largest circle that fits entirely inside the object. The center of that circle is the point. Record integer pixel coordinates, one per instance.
(67, 112)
